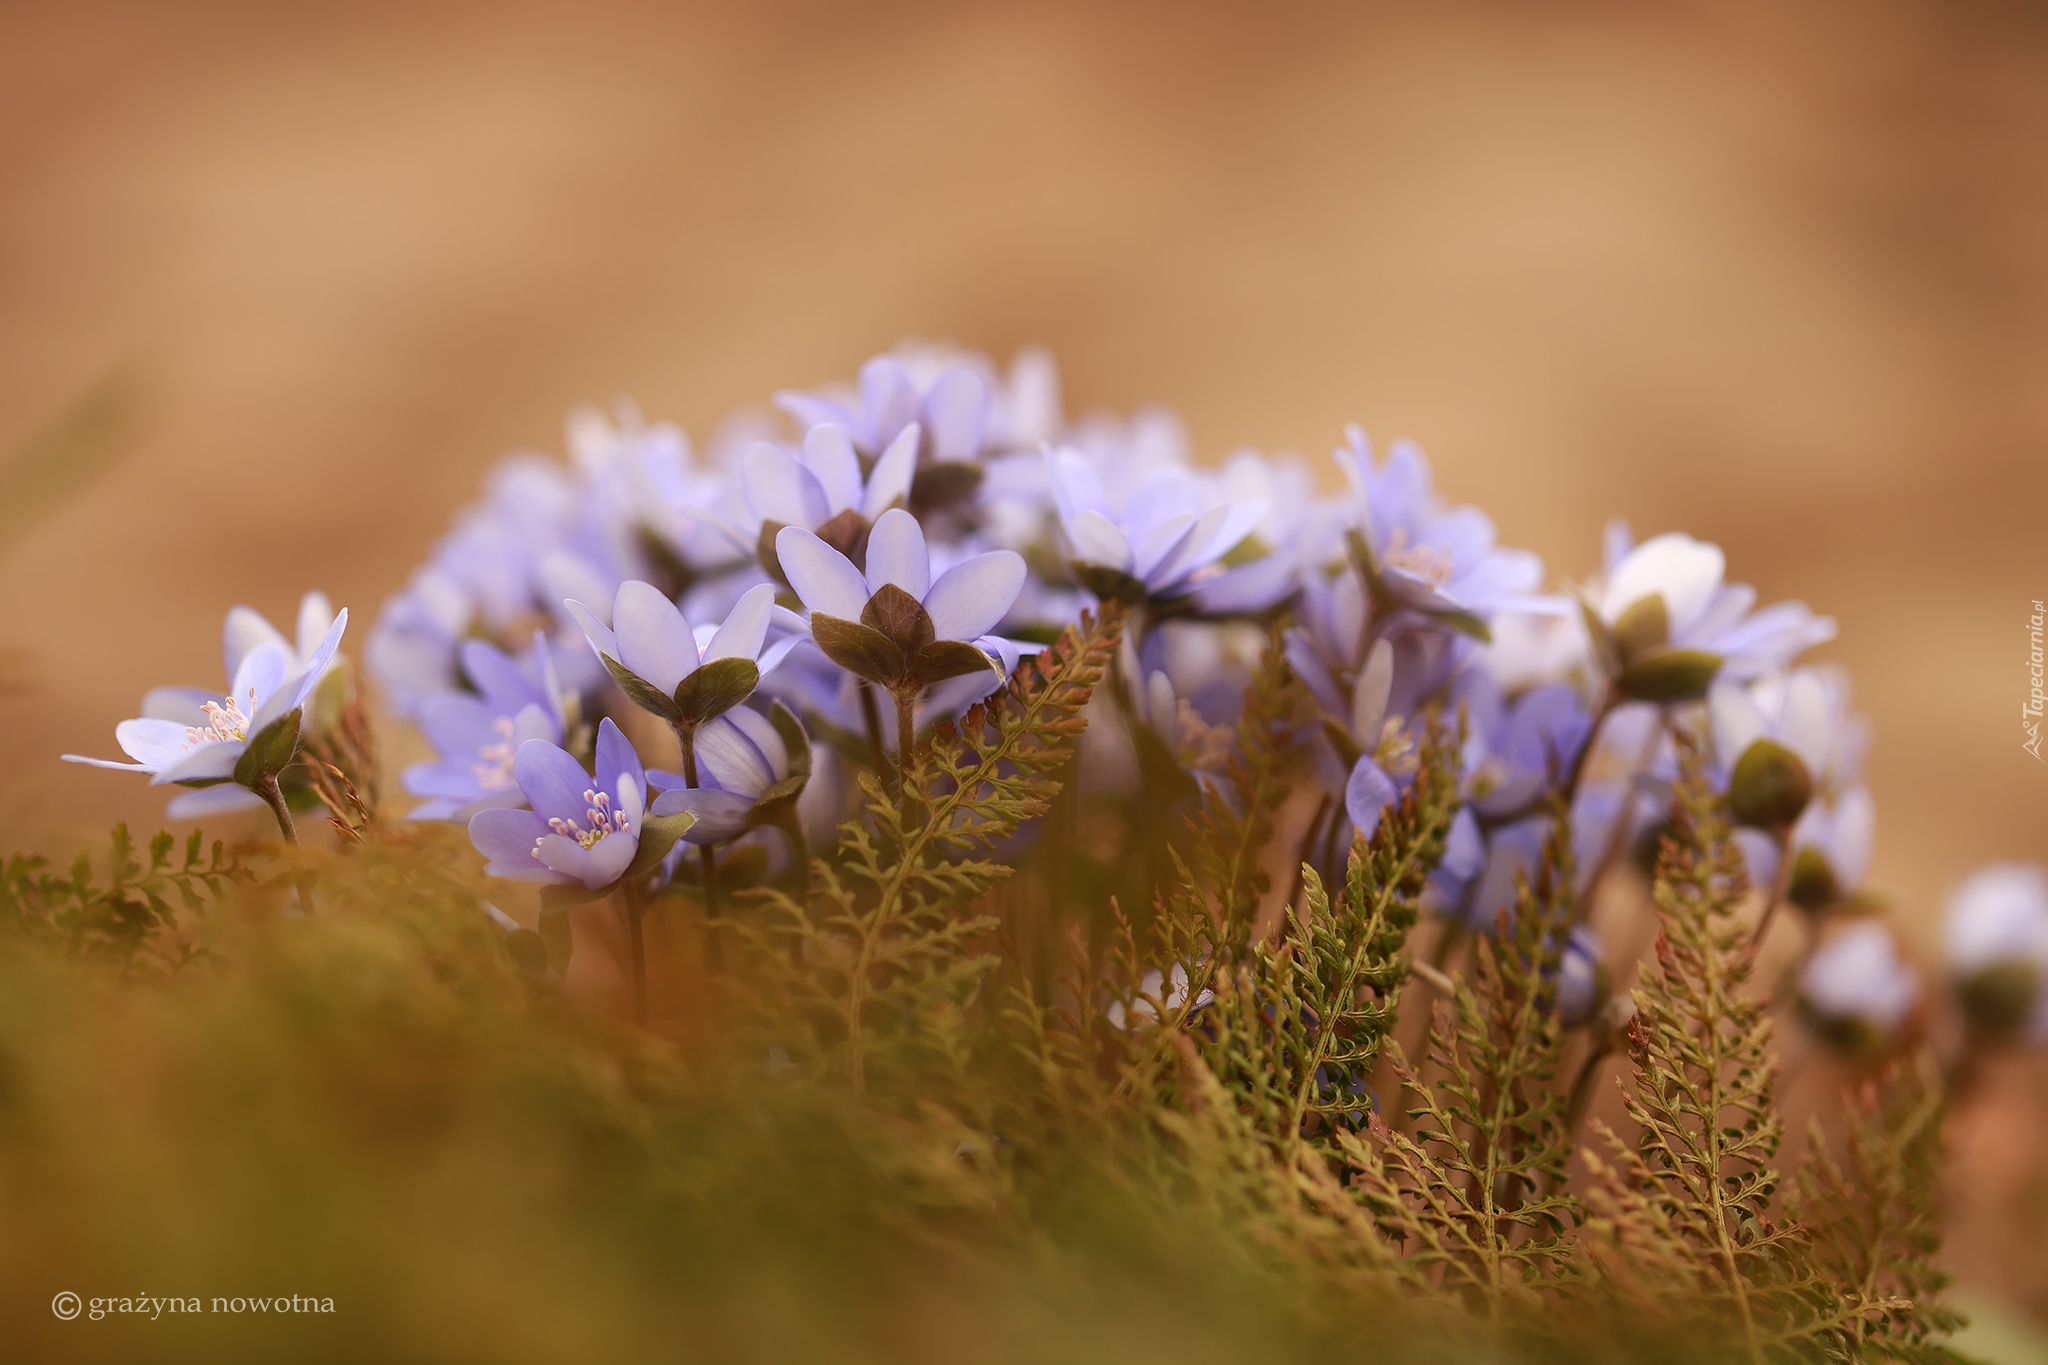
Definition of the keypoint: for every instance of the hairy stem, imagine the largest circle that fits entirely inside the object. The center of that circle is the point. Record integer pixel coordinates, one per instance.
(273, 796)
(707, 862)
(1780, 884)
(906, 737)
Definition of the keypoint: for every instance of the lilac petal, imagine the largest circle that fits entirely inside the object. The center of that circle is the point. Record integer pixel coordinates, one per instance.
(972, 596)
(559, 853)
(535, 721)
(888, 396)
(828, 454)
(157, 743)
(1806, 721)
(1155, 554)
(316, 618)
(499, 680)
(889, 483)
(1075, 487)
(554, 783)
(1736, 721)
(655, 641)
(1464, 849)
(506, 835)
(744, 630)
(729, 756)
(602, 640)
(185, 705)
(317, 664)
(1249, 587)
(780, 489)
(957, 408)
(824, 578)
(263, 671)
(205, 761)
(115, 764)
(1095, 539)
(777, 652)
(458, 725)
(1367, 794)
(897, 554)
(812, 409)
(246, 629)
(661, 779)
(721, 815)
(208, 802)
(616, 760)
(607, 860)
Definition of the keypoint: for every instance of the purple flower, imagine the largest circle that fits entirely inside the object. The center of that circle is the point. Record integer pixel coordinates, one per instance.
(821, 486)
(198, 738)
(478, 735)
(684, 675)
(1159, 540)
(895, 625)
(1997, 936)
(1858, 989)
(745, 762)
(582, 829)
(963, 408)
(1675, 625)
(1427, 558)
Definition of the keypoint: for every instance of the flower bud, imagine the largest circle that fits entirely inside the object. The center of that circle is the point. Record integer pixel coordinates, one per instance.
(1857, 991)
(1666, 675)
(1770, 786)
(1998, 950)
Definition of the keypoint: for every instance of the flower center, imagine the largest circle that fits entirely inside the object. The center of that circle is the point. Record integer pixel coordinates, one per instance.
(493, 766)
(1432, 562)
(222, 722)
(600, 818)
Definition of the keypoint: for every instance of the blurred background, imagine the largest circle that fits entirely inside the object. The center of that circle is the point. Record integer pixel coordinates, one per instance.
(277, 284)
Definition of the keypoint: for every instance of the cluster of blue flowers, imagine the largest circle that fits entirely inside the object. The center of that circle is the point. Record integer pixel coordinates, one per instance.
(801, 596)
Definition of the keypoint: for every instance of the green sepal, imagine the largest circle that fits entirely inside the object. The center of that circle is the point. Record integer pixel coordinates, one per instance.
(900, 617)
(271, 750)
(1465, 623)
(1645, 625)
(1111, 585)
(943, 659)
(553, 927)
(203, 781)
(1813, 886)
(2000, 999)
(714, 689)
(641, 692)
(793, 739)
(1666, 675)
(658, 834)
(1606, 653)
(859, 649)
(1769, 787)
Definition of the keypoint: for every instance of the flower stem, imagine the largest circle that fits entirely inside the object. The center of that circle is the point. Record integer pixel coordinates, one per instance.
(792, 826)
(273, 796)
(707, 861)
(872, 715)
(633, 904)
(1780, 884)
(906, 737)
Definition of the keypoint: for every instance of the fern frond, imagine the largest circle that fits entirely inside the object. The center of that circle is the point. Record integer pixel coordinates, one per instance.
(1476, 1186)
(1875, 1228)
(1700, 1183)
(886, 935)
(133, 911)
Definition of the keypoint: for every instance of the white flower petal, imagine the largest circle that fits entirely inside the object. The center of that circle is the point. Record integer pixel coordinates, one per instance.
(745, 629)
(889, 482)
(781, 490)
(1095, 539)
(654, 640)
(971, 597)
(829, 455)
(824, 578)
(897, 554)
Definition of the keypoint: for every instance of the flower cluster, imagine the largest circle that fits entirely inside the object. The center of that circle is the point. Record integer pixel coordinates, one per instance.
(801, 600)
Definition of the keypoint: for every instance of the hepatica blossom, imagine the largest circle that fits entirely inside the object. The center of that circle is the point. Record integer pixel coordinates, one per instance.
(684, 674)
(896, 625)
(478, 734)
(751, 770)
(1156, 541)
(583, 829)
(194, 737)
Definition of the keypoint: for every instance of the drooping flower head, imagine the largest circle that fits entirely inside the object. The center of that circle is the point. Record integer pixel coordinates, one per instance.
(684, 675)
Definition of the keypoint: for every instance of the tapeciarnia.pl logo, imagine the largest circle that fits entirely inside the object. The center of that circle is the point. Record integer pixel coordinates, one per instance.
(2030, 714)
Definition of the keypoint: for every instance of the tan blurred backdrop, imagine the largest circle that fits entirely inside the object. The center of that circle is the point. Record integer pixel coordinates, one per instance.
(279, 282)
